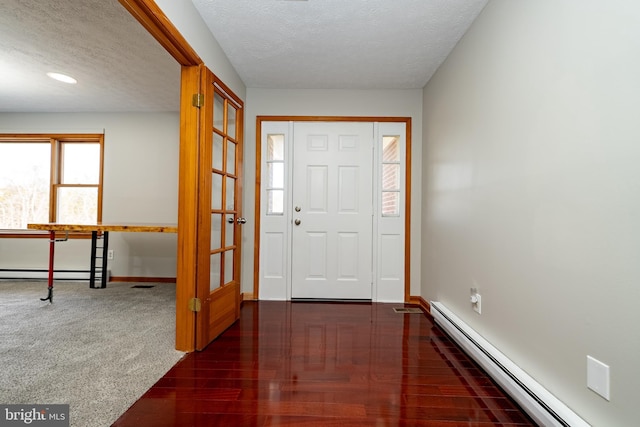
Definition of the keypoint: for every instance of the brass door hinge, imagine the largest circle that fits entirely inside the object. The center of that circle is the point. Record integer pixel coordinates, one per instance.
(198, 100)
(194, 304)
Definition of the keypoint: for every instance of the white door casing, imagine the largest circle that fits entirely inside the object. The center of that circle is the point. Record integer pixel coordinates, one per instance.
(333, 210)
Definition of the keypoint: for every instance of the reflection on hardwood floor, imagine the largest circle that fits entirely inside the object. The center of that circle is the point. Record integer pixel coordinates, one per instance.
(326, 364)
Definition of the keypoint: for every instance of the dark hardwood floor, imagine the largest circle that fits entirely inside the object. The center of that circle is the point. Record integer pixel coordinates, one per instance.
(326, 364)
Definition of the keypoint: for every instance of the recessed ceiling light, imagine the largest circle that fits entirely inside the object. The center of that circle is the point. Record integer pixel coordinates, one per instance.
(62, 78)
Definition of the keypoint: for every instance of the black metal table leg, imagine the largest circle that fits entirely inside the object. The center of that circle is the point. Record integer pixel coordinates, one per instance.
(94, 245)
(105, 251)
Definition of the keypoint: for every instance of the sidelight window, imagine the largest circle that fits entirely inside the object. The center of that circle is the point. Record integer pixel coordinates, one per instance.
(275, 174)
(391, 175)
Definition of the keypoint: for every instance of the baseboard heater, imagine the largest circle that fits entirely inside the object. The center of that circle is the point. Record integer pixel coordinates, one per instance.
(43, 274)
(543, 407)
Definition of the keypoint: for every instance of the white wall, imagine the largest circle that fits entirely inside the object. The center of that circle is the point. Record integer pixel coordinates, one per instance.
(186, 18)
(393, 103)
(140, 185)
(532, 192)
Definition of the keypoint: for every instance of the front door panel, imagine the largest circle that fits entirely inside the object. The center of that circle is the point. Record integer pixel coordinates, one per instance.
(332, 210)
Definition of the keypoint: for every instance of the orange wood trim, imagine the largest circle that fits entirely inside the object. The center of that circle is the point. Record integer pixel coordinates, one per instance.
(407, 215)
(101, 178)
(239, 192)
(53, 180)
(203, 212)
(248, 296)
(77, 185)
(222, 311)
(186, 278)
(63, 137)
(256, 238)
(331, 119)
(138, 279)
(160, 27)
(419, 301)
(228, 92)
(407, 246)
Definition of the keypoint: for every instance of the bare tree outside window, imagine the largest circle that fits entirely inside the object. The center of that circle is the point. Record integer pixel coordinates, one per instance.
(34, 188)
(24, 184)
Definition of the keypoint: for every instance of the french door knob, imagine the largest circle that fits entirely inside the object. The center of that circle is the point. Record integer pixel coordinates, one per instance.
(297, 222)
(242, 220)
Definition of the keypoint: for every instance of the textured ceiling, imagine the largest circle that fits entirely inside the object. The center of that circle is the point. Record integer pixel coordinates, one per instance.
(118, 65)
(314, 44)
(325, 44)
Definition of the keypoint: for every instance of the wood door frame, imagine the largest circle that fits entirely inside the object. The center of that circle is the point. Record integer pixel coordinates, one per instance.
(160, 27)
(407, 213)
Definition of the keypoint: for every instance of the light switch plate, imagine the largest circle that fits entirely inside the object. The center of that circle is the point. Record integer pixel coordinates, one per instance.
(598, 377)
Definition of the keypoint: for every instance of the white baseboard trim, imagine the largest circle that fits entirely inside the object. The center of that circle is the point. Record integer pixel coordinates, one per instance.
(542, 406)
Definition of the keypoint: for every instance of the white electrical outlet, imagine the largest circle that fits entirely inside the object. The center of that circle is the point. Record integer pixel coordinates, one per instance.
(477, 305)
(476, 300)
(598, 377)
(110, 254)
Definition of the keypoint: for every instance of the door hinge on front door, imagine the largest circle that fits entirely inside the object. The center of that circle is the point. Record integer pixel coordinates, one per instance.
(194, 304)
(198, 100)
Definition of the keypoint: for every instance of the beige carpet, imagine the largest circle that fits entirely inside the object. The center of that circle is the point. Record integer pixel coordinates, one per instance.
(97, 350)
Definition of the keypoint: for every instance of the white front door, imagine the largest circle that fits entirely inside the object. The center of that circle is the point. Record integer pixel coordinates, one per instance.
(332, 217)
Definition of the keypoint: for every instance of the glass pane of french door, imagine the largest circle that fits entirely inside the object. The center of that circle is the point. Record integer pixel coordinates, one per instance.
(224, 184)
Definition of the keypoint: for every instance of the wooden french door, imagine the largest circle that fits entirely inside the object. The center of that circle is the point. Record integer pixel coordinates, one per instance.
(219, 210)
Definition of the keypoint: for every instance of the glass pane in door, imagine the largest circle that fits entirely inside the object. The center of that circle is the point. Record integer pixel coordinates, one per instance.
(275, 202)
(229, 228)
(231, 187)
(216, 191)
(228, 266)
(390, 149)
(391, 176)
(218, 112)
(216, 231)
(231, 157)
(215, 260)
(231, 121)
(275, 147)
(275, 175)
(216, 153)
